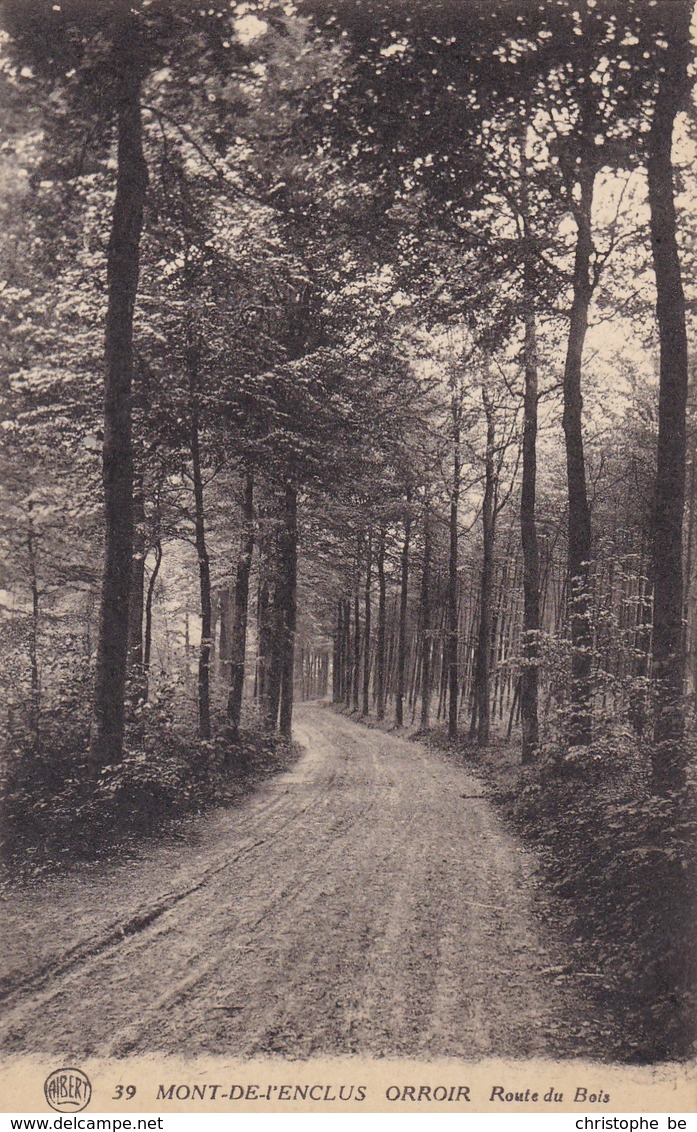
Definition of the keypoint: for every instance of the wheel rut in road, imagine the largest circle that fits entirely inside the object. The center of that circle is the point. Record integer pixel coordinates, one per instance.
(367, 902)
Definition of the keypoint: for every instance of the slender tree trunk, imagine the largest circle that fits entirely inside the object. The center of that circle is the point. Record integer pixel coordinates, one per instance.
(263, 637)
(106, 737)
(274, 614)
(514, 707)
(147, 645)
(453, 673)
(415, 679)
(204, 570)
(356, 669)
(366, 623)
(392, 649)
(668, 639)
(290, 584)
(35, 704)
(214, 632)
(483, 669)
(403, 596)
(337, 654)
(224, 614)
(528, 529)
(579, 547)
(426, 622)
(527, 688)
(442, 655)
(689, 587)
(238, 641)
(381, 630)
(347, 668)
(274, 667)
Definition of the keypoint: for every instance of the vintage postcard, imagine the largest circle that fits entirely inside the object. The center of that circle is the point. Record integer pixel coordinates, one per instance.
(349, 539)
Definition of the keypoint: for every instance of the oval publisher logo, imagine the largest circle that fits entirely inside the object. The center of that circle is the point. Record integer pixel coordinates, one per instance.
(68, 1090)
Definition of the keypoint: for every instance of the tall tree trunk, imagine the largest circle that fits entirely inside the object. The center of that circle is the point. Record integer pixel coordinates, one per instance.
(666, 984)
(381, 629)
(147, 644)
(528, 530)
(483, 662)
(668, 640)
(273, 614)
(290, 584)
(35, 704)
(346, 666)
(238, 636)
(690, 617)
(263, 635)
(106, 736)
(204, 570)
(579, 547)
(366, 623)
(225, 616)
(274, 664)
(453, 674)
(426, 621)
(356, 671)
(403, 596)
(337, 654)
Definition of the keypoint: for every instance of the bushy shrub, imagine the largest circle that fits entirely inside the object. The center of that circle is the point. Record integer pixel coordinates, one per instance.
(54, 810)
(618, 871)
(44, 775)
(622, 861)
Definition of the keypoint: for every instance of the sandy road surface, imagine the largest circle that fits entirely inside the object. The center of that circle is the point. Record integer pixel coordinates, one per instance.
(369, 901)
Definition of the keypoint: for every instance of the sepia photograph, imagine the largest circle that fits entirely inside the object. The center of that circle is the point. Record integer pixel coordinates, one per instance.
(348, 555)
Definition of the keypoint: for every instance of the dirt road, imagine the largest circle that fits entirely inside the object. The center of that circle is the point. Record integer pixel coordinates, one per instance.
(369, 902)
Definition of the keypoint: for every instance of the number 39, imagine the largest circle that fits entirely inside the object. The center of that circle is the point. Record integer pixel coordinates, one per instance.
(124, 1092)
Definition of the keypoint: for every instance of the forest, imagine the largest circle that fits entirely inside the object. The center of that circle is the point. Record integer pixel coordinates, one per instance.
(346, 354)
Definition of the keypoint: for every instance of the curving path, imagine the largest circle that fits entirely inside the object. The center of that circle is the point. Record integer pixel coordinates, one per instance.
(367, 902)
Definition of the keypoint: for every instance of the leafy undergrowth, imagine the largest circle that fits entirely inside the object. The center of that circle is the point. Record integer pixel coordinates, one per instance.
(53, 814)
(617, 866)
